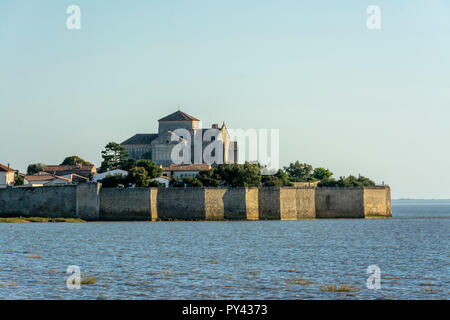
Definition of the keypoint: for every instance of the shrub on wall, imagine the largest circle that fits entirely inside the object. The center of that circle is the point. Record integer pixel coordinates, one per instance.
(347, 182)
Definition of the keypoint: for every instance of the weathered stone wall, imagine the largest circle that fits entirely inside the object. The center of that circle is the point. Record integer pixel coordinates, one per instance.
(340, 203)
(251, 203)
(39, 202)
(125, 204)
(377, 202)
(288, 203)
(306, 203)
(181, 204)
(90, 202)
(227, 204)
(269, 204)
(154, 204)
(215, 204)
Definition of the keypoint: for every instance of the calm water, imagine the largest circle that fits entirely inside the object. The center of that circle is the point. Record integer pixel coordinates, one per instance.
(232, 260)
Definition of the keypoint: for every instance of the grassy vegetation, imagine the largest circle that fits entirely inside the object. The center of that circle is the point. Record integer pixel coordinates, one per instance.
(300, 281)
(338, 288)
(88, 280)
(428, 288)
(38, 219)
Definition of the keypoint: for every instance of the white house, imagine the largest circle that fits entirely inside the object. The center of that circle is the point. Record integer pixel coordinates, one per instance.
(6, 176)
(45, 179)
(163, 180)
(100, 176)
(184, 170)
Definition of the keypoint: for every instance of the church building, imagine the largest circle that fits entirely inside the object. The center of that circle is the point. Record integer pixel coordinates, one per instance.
(158, 146)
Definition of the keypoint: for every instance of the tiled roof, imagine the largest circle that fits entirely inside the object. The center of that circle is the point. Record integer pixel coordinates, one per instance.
(39, 178)
(6, 169)
(141, 138)
(47, 177)
(65, 168)
(85, 171)
(178, 116)
(188, 167)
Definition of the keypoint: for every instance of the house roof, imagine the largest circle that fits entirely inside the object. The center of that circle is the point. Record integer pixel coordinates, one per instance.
(75, 177)
(6, 169)
(44, 177)
(55, 168)
(141, 138)
(64, 170)
(39, 178)
(178, 116)
(188, 167)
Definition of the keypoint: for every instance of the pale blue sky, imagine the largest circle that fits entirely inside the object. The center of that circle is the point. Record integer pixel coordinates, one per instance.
(343, 97)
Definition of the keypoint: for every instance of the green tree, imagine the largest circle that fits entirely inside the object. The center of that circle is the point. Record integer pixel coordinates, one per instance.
(192, 182)
(321, 173)
(115, 156)
(240, 175)
(176, 182)
(75, 160)
(154, 184)
(35, 168)
(138, 176)
(347, 182)
(280, 179)
(18, 180)
(300, 172)
(128, 164)
(113, 181)
(209, 178)
(153, 170)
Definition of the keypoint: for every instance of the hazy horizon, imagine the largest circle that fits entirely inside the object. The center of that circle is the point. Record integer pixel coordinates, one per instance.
(354, 100)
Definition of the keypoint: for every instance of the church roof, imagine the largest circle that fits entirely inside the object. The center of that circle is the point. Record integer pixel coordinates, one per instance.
(141, 138)
(178, 116)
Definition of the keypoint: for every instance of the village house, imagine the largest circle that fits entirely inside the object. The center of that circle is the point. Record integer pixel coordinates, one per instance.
(100, 176)
(165, 181)
(63, 170)
(45, 179)
(6, 176)
(183, 171)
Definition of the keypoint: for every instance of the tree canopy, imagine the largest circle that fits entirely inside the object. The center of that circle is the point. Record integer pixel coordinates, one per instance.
(240, 175)
(300, 172)
(138, 176)
(153, 170)
(35, 168)
(75, 160)
(280, 179)
(209, 178)
(115, 156)
(347, 182)
(321, 173)
(18, 180)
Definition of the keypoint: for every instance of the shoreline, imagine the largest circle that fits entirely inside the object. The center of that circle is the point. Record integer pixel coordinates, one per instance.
(40, 220)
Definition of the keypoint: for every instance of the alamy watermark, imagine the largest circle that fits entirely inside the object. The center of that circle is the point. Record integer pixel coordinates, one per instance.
(73, 22)
(374, 280)
(74, 280)
(374, 19)
(216, 146)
